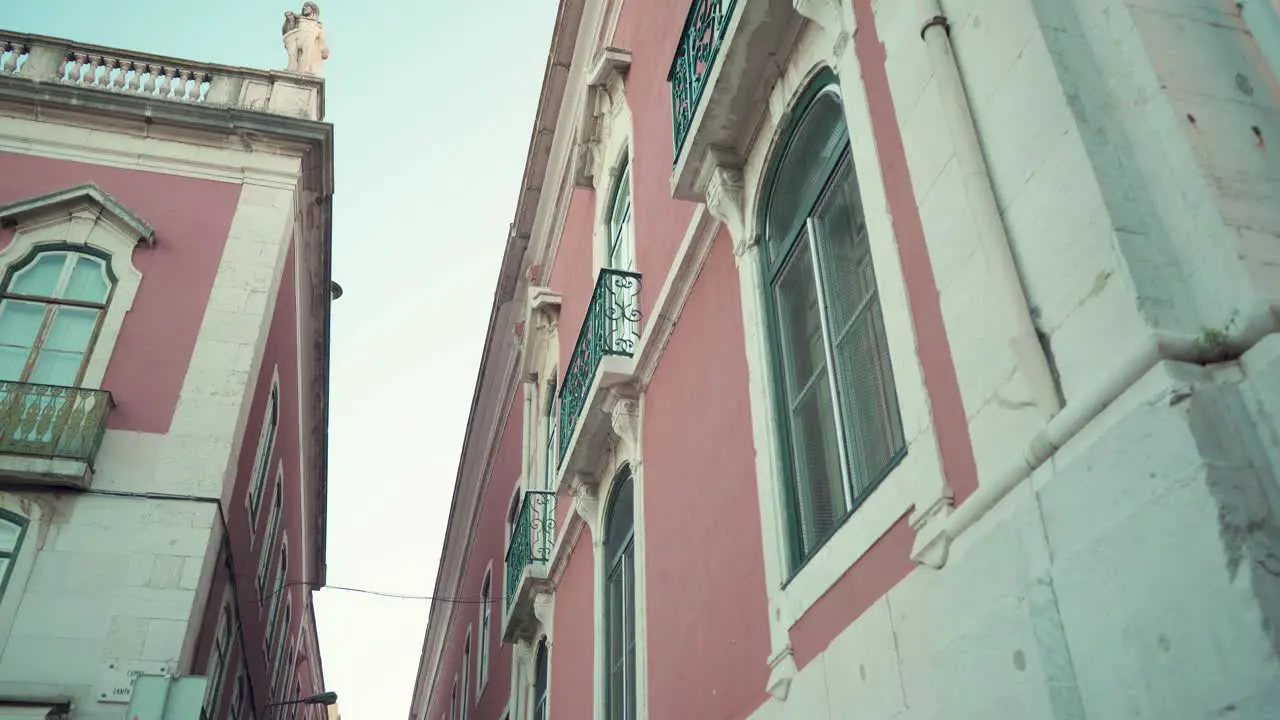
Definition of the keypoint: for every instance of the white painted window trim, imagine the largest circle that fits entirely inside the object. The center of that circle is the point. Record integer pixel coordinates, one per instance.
(274, 666)
(269, 537)
(268, 434)
(485, 634)
(213, 669)
(633, 458)
(23, 561)
(85, 227)
(468, 652)
(917, 479)
(282, 568)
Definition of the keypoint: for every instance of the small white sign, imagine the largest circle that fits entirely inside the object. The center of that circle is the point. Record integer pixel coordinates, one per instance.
(116, 683)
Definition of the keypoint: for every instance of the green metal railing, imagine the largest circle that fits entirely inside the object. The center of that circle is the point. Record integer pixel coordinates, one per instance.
(611, 327)
(532, 537)
(695, 54)
(52, 421)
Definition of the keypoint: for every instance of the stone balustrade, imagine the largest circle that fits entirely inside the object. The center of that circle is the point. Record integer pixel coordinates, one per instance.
(100, 69)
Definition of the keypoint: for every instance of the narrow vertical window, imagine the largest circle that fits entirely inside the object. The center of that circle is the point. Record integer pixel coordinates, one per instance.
(453, 700)
(620, 611)
(837, 404)
(12, 529)
(620, 249)
(269, 538)
(266, 444)
(482, 650)
(549, 429)
(465, 705)
(541, 686)
(218, 658)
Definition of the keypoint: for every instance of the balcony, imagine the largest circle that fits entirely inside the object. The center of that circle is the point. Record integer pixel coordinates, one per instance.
(55, 62)
(532, 539)
(603, 357)
(49, 435)
(725, 64)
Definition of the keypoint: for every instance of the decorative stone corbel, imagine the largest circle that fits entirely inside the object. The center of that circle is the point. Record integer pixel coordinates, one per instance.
(929, 524)
(725, 201)
(611, 65)
(537, 332)
(782, 670)
(586, 503)
(544, 610)
(624, 417)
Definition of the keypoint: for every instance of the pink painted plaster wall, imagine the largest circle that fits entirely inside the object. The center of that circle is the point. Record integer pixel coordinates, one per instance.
(280, 356)
(706, 609)
(191, 218)
(650, 30)
(488, 550)
(571, 276)
(573, 652)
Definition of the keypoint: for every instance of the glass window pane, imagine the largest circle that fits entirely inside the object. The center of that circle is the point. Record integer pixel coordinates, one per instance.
(12, 362)
(800, 323)
(621, 513)
(864, 377)
(71, 329)
(57, 368)
(795, 185)
(20, 322)
(41, 276)
(9, 532)
(819, 485)
(4, 567)
(88, 280)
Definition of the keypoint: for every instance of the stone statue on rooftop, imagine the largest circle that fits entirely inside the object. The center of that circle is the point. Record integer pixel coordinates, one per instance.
(304, 40)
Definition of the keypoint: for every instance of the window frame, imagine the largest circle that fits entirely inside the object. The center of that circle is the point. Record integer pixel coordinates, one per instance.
(464, 707)
(542, 674)
(282, 568)
(773, 264)
(29, 259)
(22, 523)
(268, 434)
(274, 518)
(483, 635)
(621, 179)
(219, 658)
(624, 480)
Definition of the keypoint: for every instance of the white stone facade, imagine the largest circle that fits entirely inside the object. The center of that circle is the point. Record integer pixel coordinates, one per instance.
(115, 579)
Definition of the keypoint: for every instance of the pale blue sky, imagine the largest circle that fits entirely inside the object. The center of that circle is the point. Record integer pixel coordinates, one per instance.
(433, 105)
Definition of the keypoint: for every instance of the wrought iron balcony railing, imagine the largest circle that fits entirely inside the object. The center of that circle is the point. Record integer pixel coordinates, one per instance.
(51, 421)
(532, 538)
(695, 54)
(611, 327)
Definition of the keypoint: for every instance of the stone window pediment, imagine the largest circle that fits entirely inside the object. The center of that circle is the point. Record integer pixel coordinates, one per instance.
(87, 220)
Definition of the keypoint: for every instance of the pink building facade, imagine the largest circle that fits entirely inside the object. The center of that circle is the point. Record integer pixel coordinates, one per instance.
(879, 360)
(164, 248)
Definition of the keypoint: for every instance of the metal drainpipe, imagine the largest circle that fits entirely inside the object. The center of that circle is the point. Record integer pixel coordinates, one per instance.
(1263, 19)
(1028, 352)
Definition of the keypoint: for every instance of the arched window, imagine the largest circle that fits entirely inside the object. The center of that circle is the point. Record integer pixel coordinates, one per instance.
(834, 387)
(486, 616)
(12, 528)
(620, 247)
(620, 610)
(50, 310)
(540, 677)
